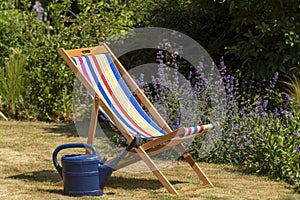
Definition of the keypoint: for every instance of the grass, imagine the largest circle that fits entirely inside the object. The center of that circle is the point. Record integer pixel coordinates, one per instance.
(27, 172)
(294, 88)
(12, 78)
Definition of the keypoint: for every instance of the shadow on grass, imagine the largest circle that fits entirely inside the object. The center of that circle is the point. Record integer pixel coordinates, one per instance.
(80, 129)
(113, 181)
(135, 183)
(59, 190)
(38, 176)
(67, 129)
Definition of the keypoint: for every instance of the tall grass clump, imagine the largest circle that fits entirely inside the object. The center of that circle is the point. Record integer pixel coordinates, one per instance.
(12, 80)
(293, 88)
(261, 129)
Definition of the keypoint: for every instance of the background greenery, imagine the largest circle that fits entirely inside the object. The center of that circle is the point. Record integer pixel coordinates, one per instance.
(256, 38)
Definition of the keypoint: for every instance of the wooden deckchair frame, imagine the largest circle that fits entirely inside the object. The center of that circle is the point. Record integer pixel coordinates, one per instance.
(143, 150)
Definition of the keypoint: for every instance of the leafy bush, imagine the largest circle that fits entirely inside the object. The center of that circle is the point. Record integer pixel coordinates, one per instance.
(49, 83)
(214, 24)
(259, 38)
(261, 131)
(18, 31)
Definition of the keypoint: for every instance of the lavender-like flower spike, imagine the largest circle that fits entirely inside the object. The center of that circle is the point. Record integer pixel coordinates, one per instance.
(274, 80)
(248, 142)
(296, 133)
(39, 9)
(275, 113)
(265, 104)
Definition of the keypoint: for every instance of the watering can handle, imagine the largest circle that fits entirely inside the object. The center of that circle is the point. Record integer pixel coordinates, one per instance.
(66, 146)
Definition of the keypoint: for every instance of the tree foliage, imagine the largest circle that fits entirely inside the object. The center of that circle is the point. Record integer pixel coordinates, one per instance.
(257, 37)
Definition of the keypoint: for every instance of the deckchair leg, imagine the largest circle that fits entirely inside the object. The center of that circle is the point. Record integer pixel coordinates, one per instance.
(187, 156)
(161, 177)
(93, 122)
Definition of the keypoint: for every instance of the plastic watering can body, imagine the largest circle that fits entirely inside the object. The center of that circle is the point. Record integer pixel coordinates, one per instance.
(82, 174)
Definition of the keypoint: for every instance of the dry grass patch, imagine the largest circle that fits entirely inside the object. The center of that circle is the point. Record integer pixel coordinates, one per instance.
(27, 171)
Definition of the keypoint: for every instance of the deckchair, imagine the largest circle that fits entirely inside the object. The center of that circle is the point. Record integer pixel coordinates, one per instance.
(116, 94)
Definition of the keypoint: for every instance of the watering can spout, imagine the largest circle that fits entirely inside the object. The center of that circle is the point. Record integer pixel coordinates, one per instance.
(105, 170)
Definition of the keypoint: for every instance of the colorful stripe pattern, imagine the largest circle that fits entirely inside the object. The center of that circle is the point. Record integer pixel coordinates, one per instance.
(200, 129)
(102, 73)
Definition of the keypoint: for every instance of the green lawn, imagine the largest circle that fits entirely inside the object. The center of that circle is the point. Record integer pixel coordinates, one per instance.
(27, 171)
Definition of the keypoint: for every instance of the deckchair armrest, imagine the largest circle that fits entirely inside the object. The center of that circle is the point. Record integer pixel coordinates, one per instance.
(182, 132)
(200, 130)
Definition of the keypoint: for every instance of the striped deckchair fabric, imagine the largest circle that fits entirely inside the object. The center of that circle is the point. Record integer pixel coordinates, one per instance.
(101, 72)
(117, 96)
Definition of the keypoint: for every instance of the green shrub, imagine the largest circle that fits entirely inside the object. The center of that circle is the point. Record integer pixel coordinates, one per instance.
(20, 35)
(259, 136)
(214, 24)
(274, 150)
(49, 82)
(258, 38)
(261, 129)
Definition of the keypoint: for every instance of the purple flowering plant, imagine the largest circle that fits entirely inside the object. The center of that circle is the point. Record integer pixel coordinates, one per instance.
(261, 127)
(38, 8)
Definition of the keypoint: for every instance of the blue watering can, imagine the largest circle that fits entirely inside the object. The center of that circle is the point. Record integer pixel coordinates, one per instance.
(86, 174)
